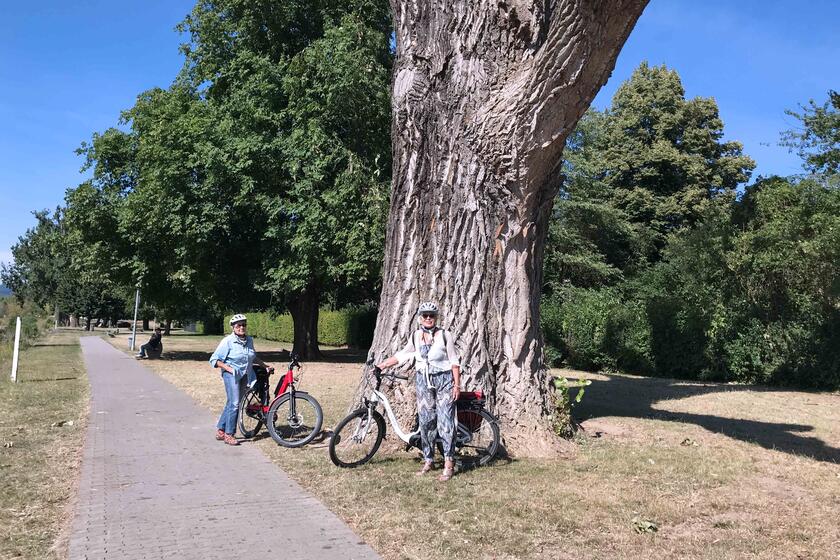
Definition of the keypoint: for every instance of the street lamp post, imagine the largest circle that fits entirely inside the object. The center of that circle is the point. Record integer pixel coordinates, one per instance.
(134, 324)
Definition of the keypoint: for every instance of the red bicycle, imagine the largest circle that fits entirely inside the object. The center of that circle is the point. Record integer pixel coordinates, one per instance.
(293, 417)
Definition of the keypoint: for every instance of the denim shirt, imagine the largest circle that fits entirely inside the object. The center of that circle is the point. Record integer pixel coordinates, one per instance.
(237, 354)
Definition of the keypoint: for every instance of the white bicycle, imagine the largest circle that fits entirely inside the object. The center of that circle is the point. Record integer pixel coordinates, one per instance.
(357, 438)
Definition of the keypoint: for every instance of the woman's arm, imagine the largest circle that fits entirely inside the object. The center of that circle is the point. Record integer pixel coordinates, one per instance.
(403, 355)
(456, 382)
(388, 362)
(453, 358)
(259, 362)
(220, 354)
(224, 366)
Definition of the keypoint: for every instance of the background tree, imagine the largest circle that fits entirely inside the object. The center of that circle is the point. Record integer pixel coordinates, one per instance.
(39, 267)
(818, 141)
(659, 158)
(301, 94)
(745, 289)
(51, 266)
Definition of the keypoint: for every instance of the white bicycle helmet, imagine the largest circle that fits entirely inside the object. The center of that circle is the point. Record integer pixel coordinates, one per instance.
(238, 318)
(428, 307)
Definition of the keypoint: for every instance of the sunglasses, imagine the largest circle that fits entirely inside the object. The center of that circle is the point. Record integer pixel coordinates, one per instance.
(240, 325)
(428, 315)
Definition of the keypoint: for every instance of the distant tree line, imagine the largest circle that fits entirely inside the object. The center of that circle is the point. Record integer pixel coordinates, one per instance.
(659, 263)
(258, 180)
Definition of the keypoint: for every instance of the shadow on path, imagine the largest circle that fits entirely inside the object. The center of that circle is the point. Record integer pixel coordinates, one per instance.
(635, 397)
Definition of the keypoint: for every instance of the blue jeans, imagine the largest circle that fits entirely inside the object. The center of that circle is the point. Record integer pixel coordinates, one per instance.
(144, 349)
(227, 421)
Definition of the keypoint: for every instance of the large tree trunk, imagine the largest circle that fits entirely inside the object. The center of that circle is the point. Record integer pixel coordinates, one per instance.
(304, 310)
(167, 327)
(484, 95)
(145, 326)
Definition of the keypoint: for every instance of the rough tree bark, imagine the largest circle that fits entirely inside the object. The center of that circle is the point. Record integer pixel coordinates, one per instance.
(485, 93)
(304, 311)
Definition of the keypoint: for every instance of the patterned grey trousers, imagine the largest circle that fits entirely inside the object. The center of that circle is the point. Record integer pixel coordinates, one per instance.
(436, 410)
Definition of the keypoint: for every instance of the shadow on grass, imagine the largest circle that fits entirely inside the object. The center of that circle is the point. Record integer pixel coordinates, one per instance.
(635, 397)
(50, 379)
(278, 358)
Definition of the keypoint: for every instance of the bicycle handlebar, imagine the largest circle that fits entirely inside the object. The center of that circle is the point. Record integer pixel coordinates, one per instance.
(378, 373)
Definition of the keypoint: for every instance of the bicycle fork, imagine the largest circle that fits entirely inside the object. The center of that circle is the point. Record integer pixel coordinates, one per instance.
(364, 426)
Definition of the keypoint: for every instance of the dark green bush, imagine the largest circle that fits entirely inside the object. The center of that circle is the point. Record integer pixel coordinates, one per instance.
(627, 337)
(345, 327)
(575, 324)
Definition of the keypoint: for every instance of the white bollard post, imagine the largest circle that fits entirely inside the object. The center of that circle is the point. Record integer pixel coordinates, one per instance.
(17, 348)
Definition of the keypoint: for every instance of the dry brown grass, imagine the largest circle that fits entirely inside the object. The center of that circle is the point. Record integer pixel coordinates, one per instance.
(38, 461)
(757, 478)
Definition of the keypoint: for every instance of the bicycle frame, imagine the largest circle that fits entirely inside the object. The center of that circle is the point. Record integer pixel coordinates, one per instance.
(379, 396)
(462, 435)
(287, 382)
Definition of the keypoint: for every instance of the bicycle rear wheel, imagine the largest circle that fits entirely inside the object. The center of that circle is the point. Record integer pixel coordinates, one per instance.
(477, 437)
(294, 422)
(356, 439)
(250, 413)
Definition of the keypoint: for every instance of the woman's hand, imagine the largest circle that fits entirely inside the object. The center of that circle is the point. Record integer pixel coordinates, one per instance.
(456, 392)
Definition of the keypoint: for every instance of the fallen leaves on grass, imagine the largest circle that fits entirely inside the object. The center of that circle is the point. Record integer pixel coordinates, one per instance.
(642, 526)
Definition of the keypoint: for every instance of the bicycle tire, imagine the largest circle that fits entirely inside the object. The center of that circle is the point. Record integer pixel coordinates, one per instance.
(297, 431)
(342, 444)
(250, 421)
(486, 438)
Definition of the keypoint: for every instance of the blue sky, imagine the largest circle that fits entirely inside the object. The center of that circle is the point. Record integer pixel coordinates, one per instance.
(67, 69)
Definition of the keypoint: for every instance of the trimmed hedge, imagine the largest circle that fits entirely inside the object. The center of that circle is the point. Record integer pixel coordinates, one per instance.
(346, 327)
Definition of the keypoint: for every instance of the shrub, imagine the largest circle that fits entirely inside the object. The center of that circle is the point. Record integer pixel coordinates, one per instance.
(627, 337)
(352, 326)
(575, 324)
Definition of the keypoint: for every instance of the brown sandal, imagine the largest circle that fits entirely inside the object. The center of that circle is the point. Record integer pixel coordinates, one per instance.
(230, 440)
(447, 473)
(427, 466)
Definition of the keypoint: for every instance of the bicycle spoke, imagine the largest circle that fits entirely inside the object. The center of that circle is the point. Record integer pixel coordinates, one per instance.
(295, 420)
(356, 439)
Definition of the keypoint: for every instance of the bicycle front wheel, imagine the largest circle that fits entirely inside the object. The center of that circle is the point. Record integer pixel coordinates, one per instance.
(477, 437)
(357, 438)
(294, 422)
(250, 414)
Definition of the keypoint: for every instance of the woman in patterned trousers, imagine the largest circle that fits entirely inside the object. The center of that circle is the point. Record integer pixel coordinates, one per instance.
(438, 383)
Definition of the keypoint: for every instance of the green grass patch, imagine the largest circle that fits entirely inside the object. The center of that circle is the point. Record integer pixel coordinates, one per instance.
(41, 433)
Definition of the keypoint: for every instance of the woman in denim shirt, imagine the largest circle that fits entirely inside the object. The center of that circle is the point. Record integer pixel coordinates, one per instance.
(236, 357)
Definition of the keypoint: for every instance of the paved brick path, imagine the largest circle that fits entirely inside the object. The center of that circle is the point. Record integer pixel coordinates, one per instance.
(155, 484)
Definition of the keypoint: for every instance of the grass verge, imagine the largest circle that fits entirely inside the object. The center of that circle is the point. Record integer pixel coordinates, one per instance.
(694, 461)
(41, 431)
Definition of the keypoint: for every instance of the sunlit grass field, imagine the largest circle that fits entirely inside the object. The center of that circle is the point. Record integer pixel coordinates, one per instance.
(663, 469)
(42, 422)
